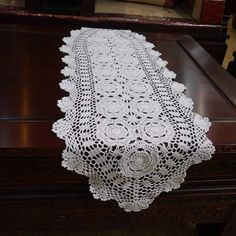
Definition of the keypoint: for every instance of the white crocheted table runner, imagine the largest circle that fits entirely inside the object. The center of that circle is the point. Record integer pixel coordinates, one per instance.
(127, 125)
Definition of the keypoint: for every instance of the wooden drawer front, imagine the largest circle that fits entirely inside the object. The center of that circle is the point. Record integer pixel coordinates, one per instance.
(45, 173)
(78, 212)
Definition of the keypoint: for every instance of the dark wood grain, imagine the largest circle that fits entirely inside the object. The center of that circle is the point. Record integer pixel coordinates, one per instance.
(77, 212)
(34, 186)
(211, 36)
(110, 20)
(214, 72)
(230, 227)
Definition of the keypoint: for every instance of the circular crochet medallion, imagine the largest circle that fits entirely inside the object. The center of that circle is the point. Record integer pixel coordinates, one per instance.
(139, 160)
(112, 107)
(115, 132)
(108, 88)
(147, 107)
(138, 88)
(156, 131)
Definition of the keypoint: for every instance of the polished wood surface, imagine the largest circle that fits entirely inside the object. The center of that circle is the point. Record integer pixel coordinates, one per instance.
(30, 74)
(211, 36)
(35, 187)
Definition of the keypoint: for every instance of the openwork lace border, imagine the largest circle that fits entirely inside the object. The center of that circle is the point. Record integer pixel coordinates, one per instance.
(66, 104)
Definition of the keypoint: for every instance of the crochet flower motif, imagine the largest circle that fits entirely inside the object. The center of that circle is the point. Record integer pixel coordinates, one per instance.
(128, 126)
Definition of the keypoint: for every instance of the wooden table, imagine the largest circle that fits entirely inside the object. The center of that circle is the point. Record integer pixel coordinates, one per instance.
(36, 193)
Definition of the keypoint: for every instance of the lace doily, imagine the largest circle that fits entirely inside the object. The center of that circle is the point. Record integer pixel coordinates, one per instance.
(127, 126)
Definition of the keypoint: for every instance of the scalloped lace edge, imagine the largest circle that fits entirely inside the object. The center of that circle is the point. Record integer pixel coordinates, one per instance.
(66, 103)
